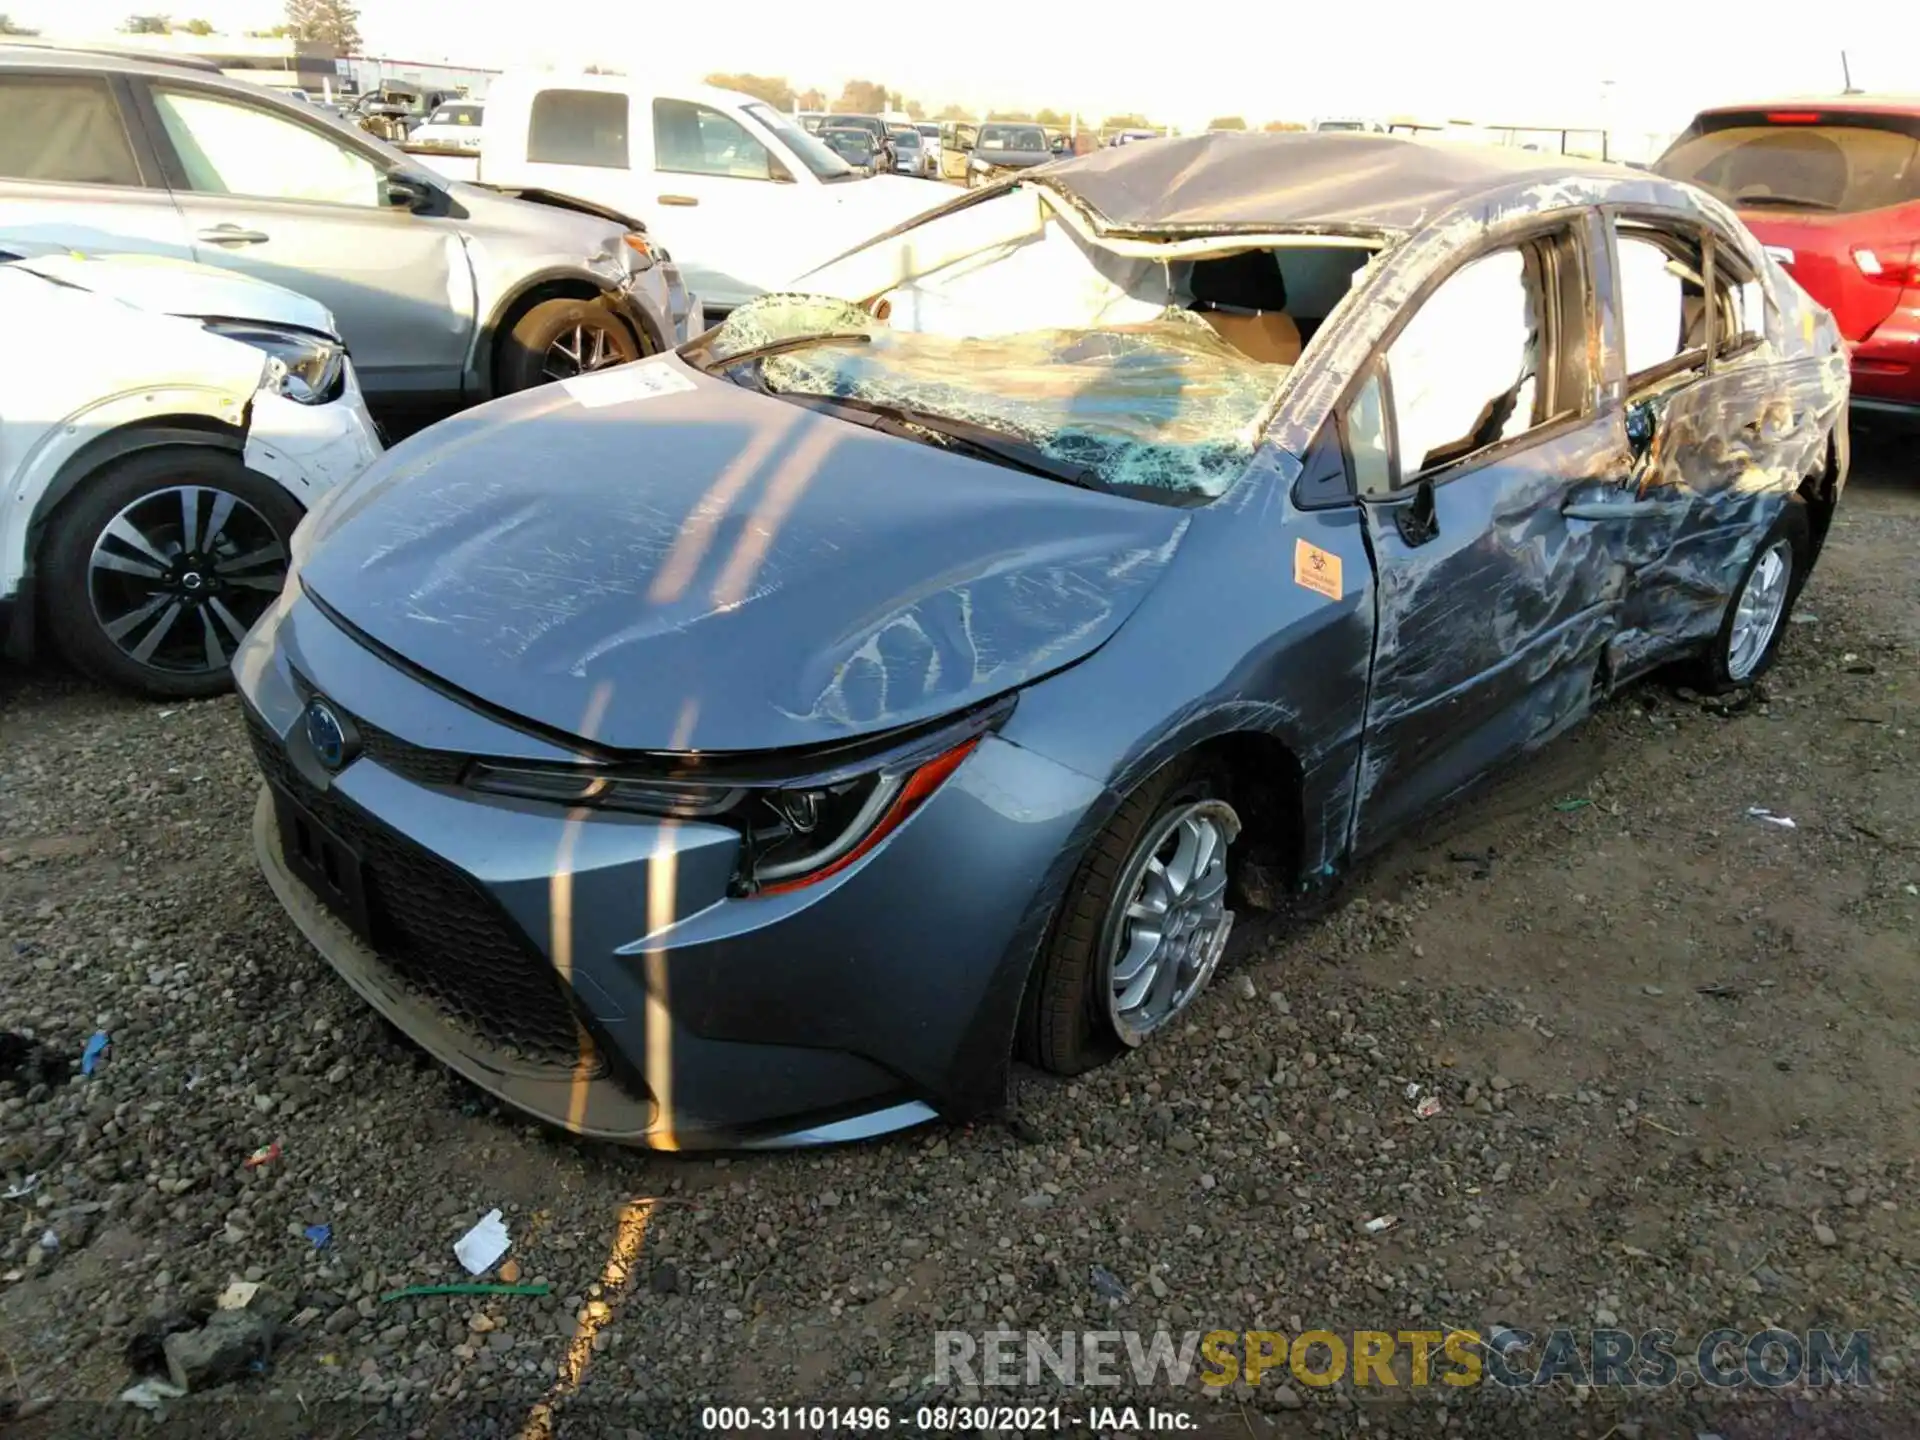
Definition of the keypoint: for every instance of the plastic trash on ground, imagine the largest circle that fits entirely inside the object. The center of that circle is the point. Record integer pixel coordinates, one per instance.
(480, 1249)
(96, 1050)
(1760, 812)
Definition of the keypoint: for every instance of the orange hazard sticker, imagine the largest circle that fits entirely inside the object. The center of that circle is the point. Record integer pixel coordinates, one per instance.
(1317, 569)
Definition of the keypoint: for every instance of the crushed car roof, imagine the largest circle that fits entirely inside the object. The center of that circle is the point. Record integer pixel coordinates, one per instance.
(1341, 183)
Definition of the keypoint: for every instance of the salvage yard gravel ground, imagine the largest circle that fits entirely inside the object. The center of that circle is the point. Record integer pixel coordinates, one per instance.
(1673, 1047)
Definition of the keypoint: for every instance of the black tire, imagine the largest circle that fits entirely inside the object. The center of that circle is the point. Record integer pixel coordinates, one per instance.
(80, 600)
(529, 356)
(1065, 1027)
(1713, 671)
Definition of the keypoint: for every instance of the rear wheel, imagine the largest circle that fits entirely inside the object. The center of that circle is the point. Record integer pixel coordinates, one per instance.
(1756, 619)
(1142, 926)
(558, 339)
(160, 563)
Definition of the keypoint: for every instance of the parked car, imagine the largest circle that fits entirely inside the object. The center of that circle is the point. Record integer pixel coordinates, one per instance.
(931, 647)
(957, 139)
(743, 197)
(444, 292)
(1002, 149)
(856, 147)
(1129, 137)
(163, 427)
(875, 126)
(909, 156)
(454, 126)
(930, 145)
(1832, 187)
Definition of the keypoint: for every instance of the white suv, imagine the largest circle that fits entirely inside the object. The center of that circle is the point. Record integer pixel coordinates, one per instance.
(163, 428)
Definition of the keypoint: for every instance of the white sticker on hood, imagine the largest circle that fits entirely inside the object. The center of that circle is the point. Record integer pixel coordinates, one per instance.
(625, 383)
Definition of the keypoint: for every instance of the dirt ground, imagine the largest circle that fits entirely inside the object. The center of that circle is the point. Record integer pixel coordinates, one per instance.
(1674, 1047)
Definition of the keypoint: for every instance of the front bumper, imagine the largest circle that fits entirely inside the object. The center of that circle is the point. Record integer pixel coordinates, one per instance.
(646, 1006)
(310, 449)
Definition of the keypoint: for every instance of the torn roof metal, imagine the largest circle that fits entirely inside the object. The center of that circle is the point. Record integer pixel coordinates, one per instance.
(1336, 183)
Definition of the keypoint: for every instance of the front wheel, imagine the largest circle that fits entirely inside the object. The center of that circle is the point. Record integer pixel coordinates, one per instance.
(1756, 619)
(160, 563)
(1142, 926)
(558, 339)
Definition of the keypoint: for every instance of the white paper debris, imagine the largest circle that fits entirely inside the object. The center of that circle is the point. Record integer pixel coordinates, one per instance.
(25, 1188)
(1760, 812)
(481, 1247)
(238, 1295)
(149, 1393)
(625, 383)
(1379, 1223)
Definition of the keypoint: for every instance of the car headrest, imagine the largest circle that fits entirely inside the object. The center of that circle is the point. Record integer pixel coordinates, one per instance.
(1250, 280)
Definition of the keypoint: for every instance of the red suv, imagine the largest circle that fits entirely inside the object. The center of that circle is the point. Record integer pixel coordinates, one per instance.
(1832, 189)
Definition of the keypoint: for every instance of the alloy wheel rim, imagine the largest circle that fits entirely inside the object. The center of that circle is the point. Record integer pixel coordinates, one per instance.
(1756, 614)
(579, 350)
(178, 577)
(1165, 938)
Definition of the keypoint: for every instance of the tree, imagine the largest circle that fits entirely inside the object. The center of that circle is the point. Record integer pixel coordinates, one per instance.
(8, 26)
(1274, 126)
(773, 89)
(1125, 122)
(1226, 122)
(278, 32)
(1017, 115)
(915, 110)
(198, 27)
(334, 23)
(862, 97)
(954, 112)
(148, 25)
(813, 100)
(1052, 118)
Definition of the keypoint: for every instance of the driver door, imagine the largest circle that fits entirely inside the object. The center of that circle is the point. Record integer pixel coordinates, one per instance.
(271, 196)
(1474, 437)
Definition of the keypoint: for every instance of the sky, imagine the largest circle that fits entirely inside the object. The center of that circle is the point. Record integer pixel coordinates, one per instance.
(1631, 64)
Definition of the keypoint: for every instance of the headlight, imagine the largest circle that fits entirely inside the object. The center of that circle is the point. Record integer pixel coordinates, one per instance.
(301, 366)
(792, 834)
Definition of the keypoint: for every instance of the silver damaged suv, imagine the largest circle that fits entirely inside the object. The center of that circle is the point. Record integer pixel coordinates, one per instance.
(444, 292)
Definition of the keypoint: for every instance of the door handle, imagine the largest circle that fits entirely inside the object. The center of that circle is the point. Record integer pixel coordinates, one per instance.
(233, 235)
(677, 199)
(1610, 509)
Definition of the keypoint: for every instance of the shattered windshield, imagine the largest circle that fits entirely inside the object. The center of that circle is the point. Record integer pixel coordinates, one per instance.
(1162, 405)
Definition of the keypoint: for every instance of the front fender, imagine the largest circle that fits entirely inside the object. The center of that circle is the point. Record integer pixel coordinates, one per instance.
(103, 431)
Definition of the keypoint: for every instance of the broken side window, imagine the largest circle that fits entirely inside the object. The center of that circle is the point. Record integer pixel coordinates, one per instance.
(1465, 369)
(1740, 320)
(1662, 304)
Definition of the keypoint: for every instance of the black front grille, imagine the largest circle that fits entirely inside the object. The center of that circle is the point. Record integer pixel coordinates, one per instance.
(390, 752)
(437, 931)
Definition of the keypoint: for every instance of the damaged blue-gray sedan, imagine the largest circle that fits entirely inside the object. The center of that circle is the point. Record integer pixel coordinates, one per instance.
(766, 743)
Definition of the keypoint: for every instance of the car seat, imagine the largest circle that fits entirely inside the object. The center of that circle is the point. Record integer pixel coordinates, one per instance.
(1244, 298)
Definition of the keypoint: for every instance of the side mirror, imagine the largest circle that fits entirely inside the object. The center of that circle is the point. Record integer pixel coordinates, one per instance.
(1641, 422)
(409, 192)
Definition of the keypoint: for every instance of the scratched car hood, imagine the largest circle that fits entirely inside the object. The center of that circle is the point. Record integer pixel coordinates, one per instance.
(719, 570)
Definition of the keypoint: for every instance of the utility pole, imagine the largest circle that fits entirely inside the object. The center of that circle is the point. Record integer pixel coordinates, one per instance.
(1846, 75)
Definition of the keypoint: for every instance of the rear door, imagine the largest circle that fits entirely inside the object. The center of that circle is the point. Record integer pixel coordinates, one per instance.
(1481, 424)
(272, 195)
(1834, 194)
(75, 172)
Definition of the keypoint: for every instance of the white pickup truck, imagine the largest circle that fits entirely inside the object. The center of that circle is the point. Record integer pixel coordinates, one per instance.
(740, 195)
